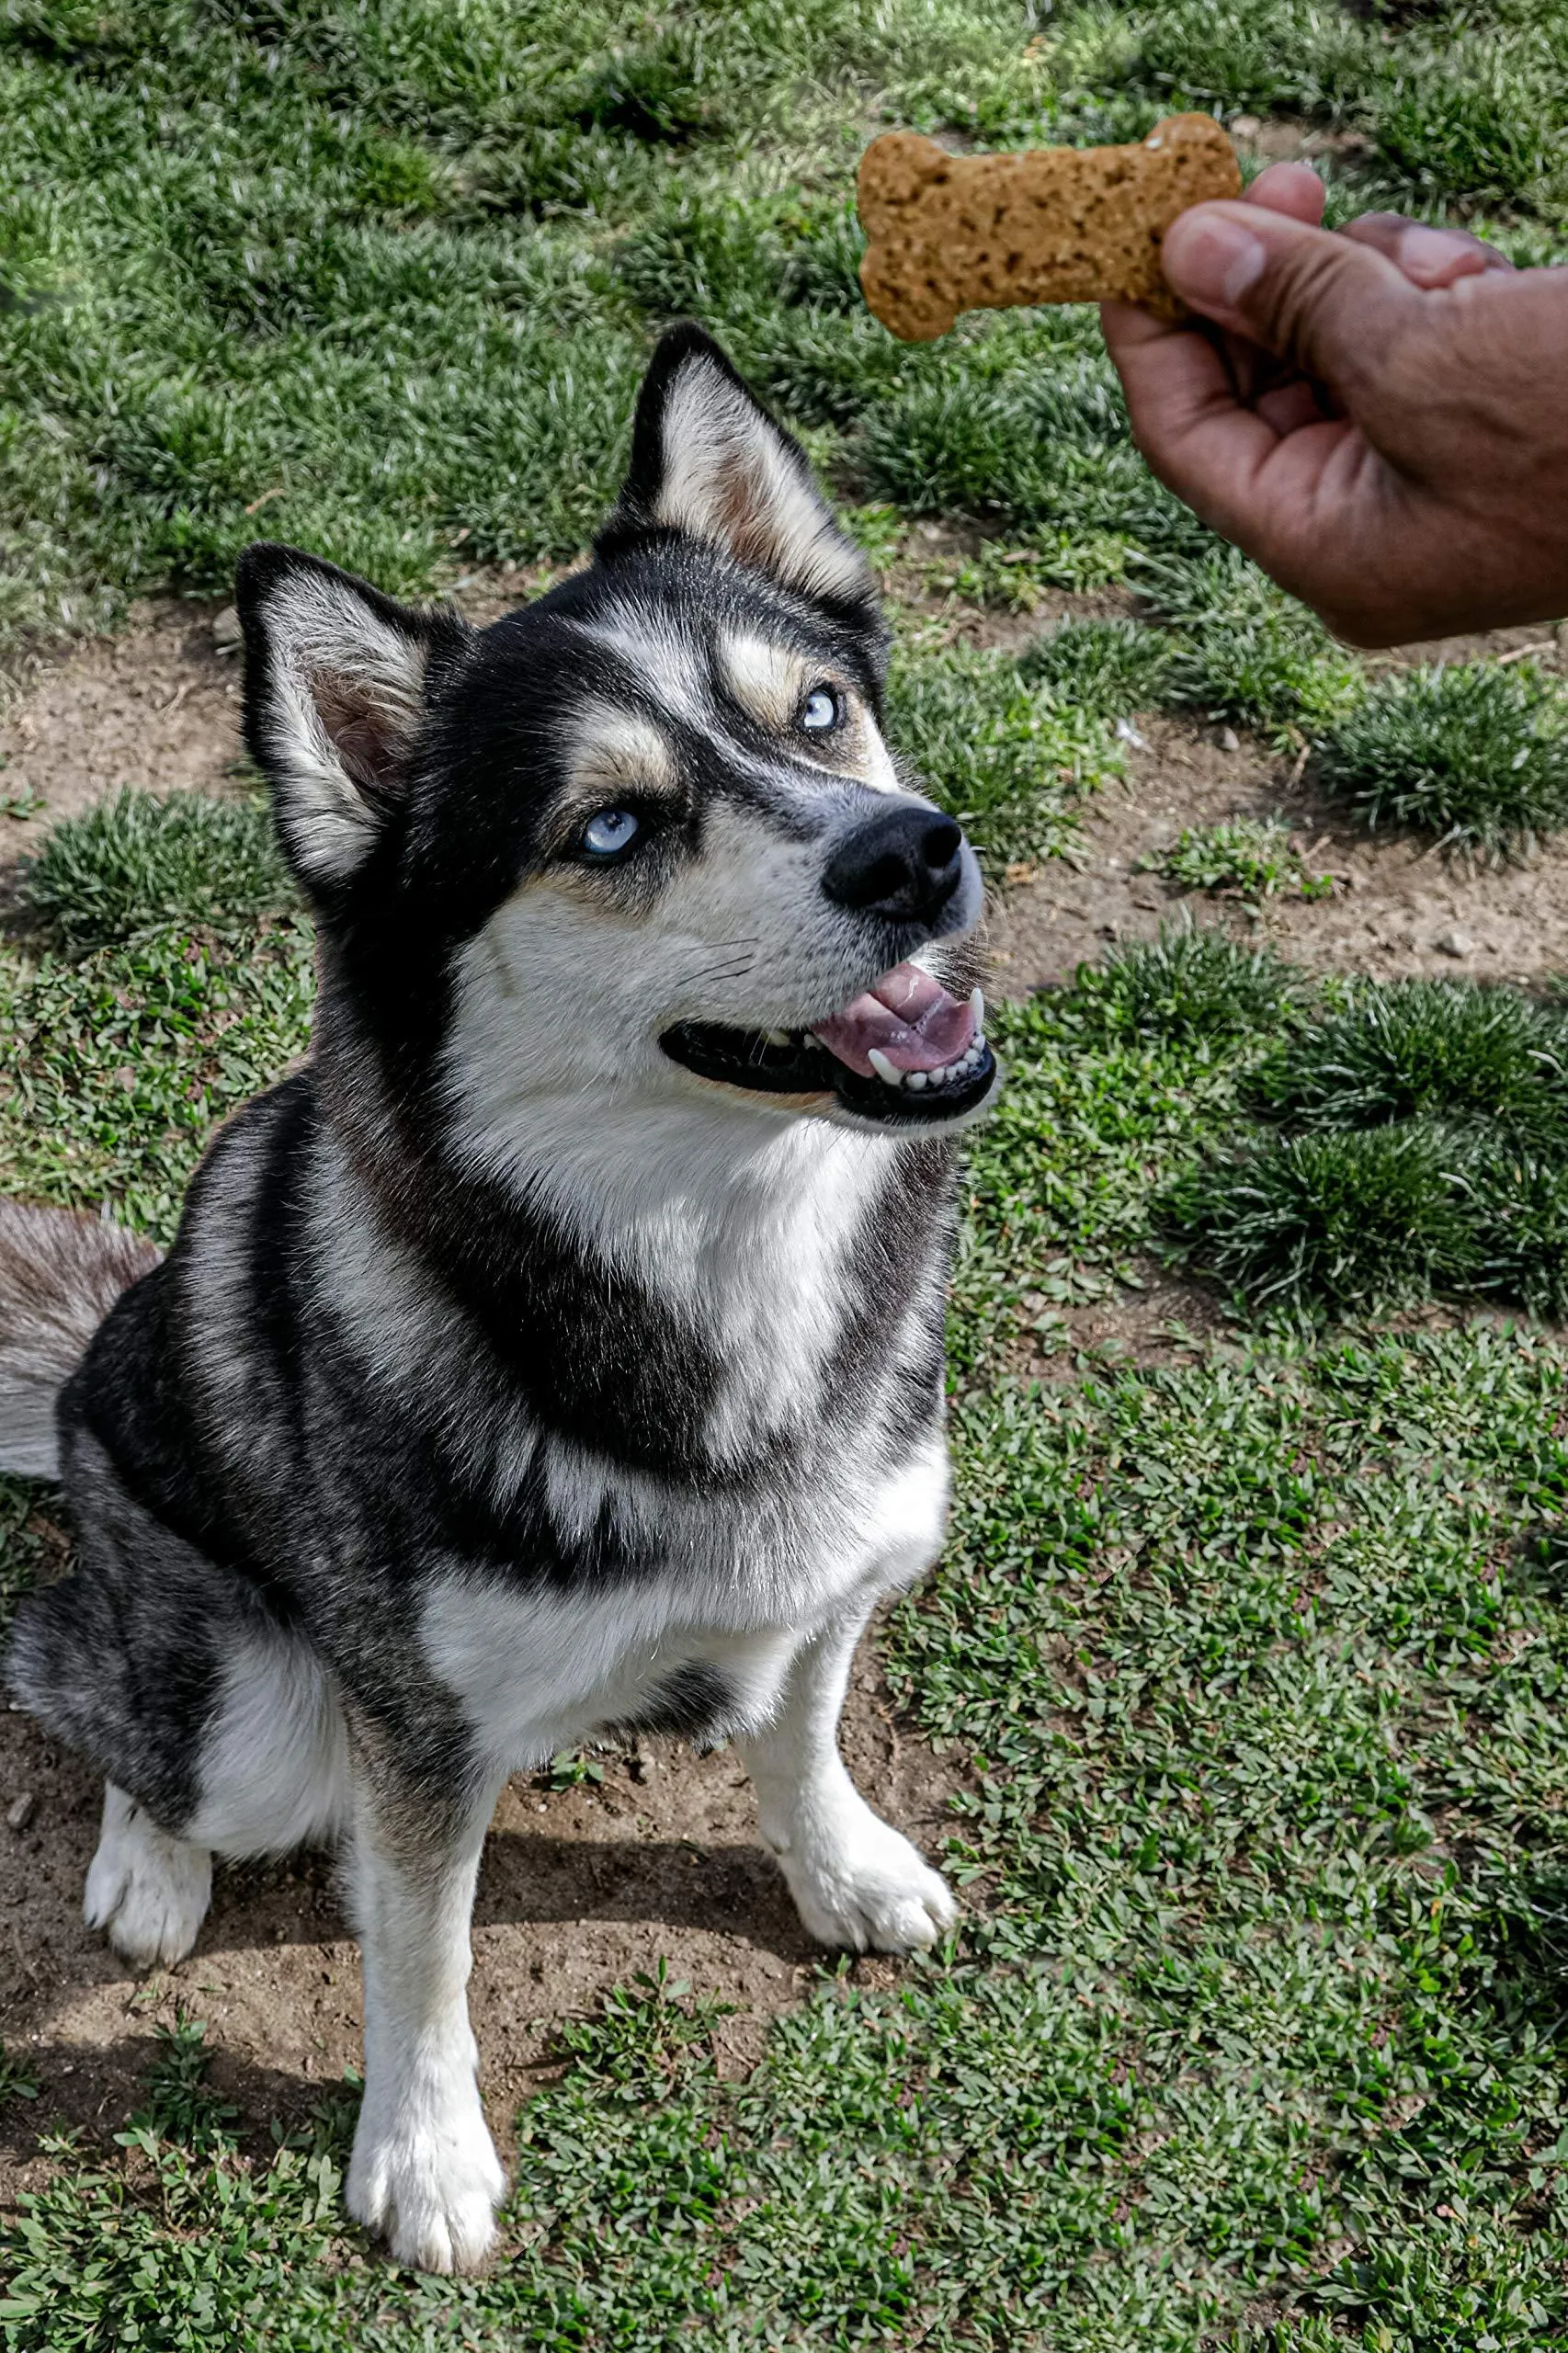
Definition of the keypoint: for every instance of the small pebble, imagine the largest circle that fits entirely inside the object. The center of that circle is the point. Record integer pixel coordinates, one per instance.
(19, 1812)
(1454, 943)
(641, 1766)
(1227, 739)
(1128, 733)
(226, 631)
(1245, 126)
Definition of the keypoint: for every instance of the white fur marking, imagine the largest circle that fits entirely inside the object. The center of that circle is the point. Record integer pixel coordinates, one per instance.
(614, 750)
(858, 1882)
(274, 1769)
(321, 631)
(535, 1671)
(730, 479)
(29, 1443)
(151, 1892)
(769, 679)
(423, 2170)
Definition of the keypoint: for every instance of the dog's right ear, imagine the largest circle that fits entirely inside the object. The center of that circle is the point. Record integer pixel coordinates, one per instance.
(338, 682)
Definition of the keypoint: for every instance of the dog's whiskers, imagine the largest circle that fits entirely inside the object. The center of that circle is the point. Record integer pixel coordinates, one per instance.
(727, 969)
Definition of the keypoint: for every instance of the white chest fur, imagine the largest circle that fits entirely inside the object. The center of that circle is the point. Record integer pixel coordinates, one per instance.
(538, 1671)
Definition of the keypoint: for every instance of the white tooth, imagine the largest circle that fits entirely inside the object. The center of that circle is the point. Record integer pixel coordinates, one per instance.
(776, 1036)
(885, 1070)
(918, 1079)
(977, 1007)
(937, 1077)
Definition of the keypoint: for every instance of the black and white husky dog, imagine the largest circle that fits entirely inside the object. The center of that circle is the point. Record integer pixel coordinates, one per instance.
(558, 1350)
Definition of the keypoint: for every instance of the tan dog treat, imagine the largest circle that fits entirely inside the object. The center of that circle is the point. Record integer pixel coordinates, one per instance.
(1063, 225)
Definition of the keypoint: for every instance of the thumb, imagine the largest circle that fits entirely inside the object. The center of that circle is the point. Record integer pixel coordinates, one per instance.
(1321, 301)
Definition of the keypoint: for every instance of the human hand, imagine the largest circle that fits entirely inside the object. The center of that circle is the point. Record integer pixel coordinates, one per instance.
(1379, 421)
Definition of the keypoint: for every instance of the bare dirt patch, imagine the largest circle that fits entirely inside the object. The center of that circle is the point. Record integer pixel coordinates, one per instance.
(1398, 905)
(580, 1889)
(1156, 1318)
(155, 706)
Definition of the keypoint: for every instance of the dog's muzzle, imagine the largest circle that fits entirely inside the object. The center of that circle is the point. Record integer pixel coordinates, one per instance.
(905, 1052)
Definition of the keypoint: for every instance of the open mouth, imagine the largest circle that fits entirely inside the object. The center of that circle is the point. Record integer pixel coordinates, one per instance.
(904, 1050)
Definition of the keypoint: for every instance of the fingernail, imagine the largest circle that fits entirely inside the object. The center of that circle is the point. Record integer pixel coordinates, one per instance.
(1214, 260)
(1437, 257)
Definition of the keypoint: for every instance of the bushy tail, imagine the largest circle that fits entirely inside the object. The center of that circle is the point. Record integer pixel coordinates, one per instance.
(60, 1274)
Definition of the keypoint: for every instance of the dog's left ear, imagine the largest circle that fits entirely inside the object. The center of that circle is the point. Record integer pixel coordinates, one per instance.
(338, 680)
(707, 459)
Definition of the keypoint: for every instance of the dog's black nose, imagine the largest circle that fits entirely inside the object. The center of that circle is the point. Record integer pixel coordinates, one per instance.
(906, 862)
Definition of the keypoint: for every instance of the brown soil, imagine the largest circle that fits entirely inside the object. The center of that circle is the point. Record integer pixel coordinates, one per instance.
(1398, 907)
(157, 706)
(580, 1889)
(583, 1888)
(1154, 1318)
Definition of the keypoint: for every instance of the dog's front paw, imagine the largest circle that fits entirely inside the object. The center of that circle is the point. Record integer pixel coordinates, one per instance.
(149, 1890)
(859, 1884)
(430, 2186)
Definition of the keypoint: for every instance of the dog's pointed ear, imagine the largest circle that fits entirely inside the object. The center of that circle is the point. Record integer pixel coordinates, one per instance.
(707, 459)
(338, 682)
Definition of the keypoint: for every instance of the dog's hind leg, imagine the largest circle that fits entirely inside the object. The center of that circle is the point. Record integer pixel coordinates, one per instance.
(148, 1889)
(856, 1882)
(424, 2169)
(271, 1773)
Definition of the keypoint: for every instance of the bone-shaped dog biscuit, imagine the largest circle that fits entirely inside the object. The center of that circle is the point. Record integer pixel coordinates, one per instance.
(1062, 224)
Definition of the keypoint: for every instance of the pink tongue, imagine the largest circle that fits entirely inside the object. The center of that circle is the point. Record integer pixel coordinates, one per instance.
(907, 1015)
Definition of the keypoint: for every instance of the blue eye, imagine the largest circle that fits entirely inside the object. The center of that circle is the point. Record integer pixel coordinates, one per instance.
(613, 830)
(820, 711)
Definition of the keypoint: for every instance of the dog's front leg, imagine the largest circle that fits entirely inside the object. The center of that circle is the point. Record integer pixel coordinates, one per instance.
(856, 1882)
(424, 2169)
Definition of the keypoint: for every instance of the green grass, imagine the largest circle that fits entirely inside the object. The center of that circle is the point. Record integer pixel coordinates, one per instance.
(396, 275)
(133, 863)
(1187, 983)
(1006, 756)
(1421, 1149)
(1108, 668)
(123, 1061)
(1371, 1218)
(1474, 752)
(1254, 855)
(1243, 650)
(1405, 1048)
(1253, 1666)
